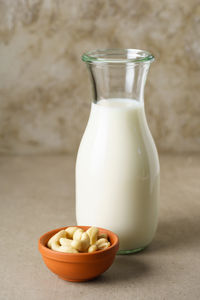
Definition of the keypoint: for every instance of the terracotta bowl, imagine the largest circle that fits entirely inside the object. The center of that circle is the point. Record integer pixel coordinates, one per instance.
(78, 266)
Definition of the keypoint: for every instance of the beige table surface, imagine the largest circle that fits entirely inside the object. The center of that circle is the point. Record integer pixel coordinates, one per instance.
(37, 194)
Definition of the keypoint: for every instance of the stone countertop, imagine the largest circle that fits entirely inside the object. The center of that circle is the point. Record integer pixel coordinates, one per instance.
(37, 194)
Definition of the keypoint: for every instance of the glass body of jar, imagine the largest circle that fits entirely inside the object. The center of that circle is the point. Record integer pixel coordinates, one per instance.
(117, 168)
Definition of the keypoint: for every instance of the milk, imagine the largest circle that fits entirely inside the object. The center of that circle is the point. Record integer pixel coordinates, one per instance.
(117, 173)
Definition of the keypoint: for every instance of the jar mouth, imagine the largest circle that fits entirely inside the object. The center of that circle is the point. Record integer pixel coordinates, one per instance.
(117, 56)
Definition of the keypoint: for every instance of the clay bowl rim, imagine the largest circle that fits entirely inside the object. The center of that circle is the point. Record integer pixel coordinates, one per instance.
(62, 256)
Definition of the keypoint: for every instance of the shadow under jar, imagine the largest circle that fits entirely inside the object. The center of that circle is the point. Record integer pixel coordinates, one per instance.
(117, 167)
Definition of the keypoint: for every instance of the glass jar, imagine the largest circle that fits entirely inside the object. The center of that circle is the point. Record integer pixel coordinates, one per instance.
(117, 167)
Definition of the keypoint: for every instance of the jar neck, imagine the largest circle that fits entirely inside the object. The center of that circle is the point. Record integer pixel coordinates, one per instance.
(118, 73)
(118, 80)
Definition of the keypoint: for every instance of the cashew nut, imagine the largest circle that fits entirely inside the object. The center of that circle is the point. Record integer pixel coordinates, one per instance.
(78, 234)
(65, 242)
(93, 233)
(82, 244)
(92, 248)
(58, 242)
(102, 235)
(56, 238)
(70, 232)
(102, 244)
(67, 249)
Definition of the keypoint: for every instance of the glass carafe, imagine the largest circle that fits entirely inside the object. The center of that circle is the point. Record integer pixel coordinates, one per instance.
(117, 167)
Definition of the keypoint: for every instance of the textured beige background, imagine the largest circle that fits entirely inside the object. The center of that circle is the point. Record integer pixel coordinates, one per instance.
(44, 87)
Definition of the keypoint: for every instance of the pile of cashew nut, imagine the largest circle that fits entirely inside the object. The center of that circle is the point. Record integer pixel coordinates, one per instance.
(75, 240)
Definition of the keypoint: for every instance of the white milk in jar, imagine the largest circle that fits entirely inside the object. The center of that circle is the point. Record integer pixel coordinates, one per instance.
(117, 173)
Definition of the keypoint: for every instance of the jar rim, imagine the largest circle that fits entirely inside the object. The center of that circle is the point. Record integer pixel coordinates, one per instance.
(117, 56)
